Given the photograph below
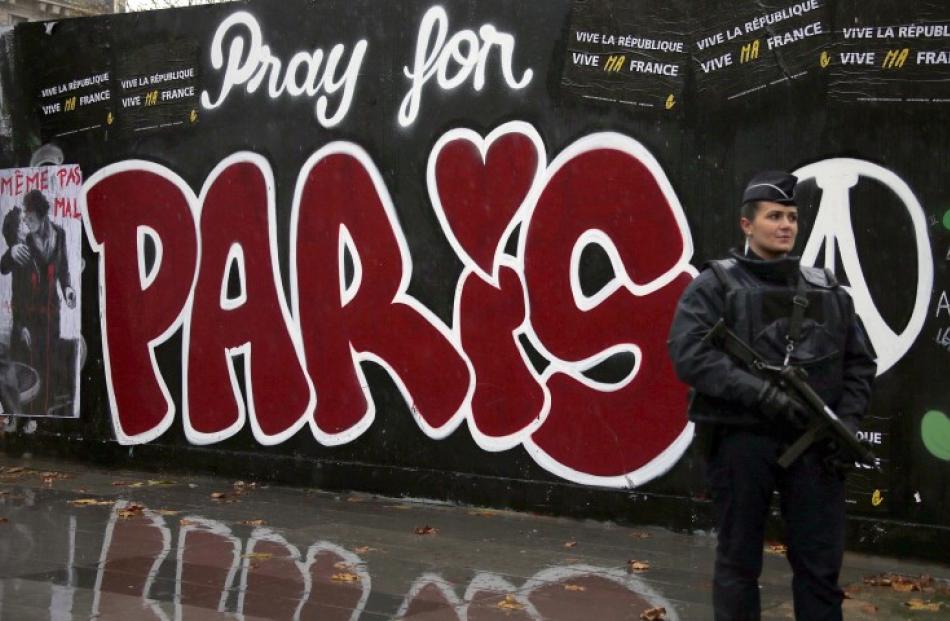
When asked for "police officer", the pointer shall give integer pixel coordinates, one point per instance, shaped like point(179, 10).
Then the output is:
point(744, 423)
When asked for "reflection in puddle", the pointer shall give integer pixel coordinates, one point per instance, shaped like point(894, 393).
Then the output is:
point(153, 567)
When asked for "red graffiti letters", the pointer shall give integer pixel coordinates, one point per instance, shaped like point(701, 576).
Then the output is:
point(343, 205)
point(517, 362)
point(279, 395)
point(136, 314)
point(603, 190)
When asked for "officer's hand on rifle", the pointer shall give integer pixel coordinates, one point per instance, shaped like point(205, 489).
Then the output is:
point(777, 405)
point(837, 459)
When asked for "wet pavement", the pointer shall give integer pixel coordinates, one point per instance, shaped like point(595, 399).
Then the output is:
point(83, 543)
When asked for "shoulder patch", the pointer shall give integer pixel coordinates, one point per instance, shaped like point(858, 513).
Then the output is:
point(819, 277)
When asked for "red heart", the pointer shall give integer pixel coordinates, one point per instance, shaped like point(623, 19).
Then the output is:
point(479, 198)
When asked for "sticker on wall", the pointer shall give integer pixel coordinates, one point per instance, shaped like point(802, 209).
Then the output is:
point(747, 48)
point(73, 92)
point(636, 56)
point(935, 432)
point(891, 53)
point(157, 87)
point(40, 341)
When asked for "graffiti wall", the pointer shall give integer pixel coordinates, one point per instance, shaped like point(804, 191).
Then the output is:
point(448, 238)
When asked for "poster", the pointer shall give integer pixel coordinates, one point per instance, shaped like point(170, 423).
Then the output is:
point(73, 90)
point(40, 265)
point(157, 87)
point(747, 48)
point(889, 52)
point(632, 55)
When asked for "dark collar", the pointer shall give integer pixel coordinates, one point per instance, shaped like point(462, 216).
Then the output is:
point(784, 270)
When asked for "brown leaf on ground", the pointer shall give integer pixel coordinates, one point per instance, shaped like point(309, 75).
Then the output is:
point(903, 585)
point(154, 482)
point(653, 614)
point(90, 502)
point(633, 565)
point(510, 603)
point(426, 530)
point(639, 534)
point(345, 576)
point(125, 483)
point(259, 556)
point(131, 511)
point(4, 520)
point(483, 513)
point(570, 544)
point(254, 522)
point(924, 605)
point(882, 580)
point(218, 495)
point(774, 547)
point(365, 550)
point(574, 587)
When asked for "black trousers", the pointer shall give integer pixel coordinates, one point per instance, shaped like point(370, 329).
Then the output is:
point(743, 473)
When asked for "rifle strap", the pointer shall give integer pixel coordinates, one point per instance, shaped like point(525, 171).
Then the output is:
point(799, 305)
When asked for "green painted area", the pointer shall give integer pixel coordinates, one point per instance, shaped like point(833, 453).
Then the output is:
point(946, 219)
point(935, 431)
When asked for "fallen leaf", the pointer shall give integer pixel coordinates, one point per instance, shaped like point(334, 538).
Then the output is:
point(633, 565)
point(123, 483)
point(153, 482)
point(426, 530)
point(218, 495)
point(254, 522)
point(882, 580)
point(131, 511)
point(365, 549)
point(773, 547)
point(928, 606)
point(639, 534)
point(345, 576)
point(90, 502)
point(574, 587)
point(570, 544)
point(510, 603)
point(259, 556)
point(903, 585)
point(185, 522)
point(654, 614)
point(483, 513)
point(4, 520)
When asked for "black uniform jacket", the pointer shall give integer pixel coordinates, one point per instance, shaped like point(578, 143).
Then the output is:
point(833, 347)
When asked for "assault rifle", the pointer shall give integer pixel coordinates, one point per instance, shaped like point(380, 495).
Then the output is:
point(824, 422)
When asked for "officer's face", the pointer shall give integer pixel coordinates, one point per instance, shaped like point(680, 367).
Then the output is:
point(773, 230)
